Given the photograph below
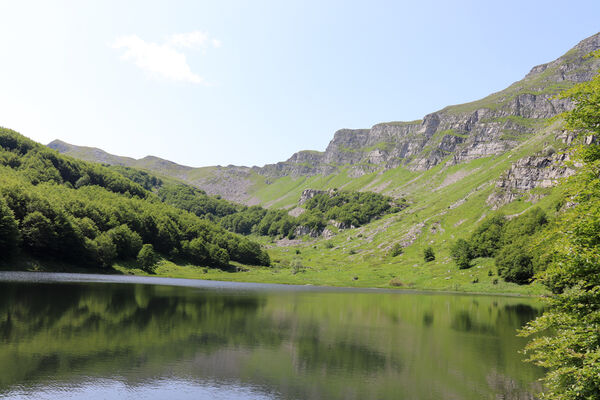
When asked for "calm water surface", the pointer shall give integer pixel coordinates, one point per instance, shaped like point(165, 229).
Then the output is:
point(68, 336)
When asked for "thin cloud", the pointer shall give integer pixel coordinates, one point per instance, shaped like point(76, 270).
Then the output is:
point(194, 40)
point(165, 60)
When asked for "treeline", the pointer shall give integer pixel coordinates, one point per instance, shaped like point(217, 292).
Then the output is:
point(349, 209)
point(142, 178)
point(508, 241)
point(353, 208)
point(54, 206)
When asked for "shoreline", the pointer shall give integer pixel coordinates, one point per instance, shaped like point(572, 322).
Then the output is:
point(214, 284)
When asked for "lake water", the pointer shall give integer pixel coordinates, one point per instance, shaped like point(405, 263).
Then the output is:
point(66, 336)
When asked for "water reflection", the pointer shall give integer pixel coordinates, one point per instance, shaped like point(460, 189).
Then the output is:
point(296, 345)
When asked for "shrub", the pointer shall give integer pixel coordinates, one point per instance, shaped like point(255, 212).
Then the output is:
point(296, 266)
point(428, 254)
point(395, 282)
point(396, 250)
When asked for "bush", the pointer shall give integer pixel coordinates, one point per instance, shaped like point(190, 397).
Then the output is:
point(428, 254)
point(461, 253)
point(395, 282)
point(396, 250)
point(296, 266)
point(147, 258)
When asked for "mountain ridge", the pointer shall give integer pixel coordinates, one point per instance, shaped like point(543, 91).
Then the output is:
point(454, 135)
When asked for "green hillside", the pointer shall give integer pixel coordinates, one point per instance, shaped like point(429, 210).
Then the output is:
point(61, 210)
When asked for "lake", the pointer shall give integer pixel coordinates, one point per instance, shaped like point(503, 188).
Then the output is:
point(67, 336)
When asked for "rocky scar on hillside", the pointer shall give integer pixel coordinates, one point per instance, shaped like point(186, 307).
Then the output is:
point(542, 170)
point(527, 174)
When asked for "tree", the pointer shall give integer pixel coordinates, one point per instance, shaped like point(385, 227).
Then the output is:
point(428, 254)
point(514, 263)
point(486, 239)
point(38, 233)
point(147, 258)
point(568, 333)
point(106, 250)
point(9, 231)
point(461, 253)
point(127, 242)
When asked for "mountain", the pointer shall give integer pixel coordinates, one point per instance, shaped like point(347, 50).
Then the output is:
point(456, 135)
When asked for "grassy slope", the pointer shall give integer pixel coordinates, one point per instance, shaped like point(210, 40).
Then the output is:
point(442, 210)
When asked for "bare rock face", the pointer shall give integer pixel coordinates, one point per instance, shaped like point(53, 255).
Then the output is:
point(308, 194)
point(529, 173)
point(304, 230)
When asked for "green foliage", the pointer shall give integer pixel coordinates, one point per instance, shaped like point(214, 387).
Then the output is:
point(297, 266)
point(127, 242)
point(196, 201)
point(89, 214)
point(461, 253)
point(9, 230)
point(142, 178)
point(352, 208)
point(486, 240)
point(105, 250)
point(568, 333)
point(396, 250)
point(147, 258)
point(515, 263)
point(428, 254)
point(38, 233)
point(506, 241)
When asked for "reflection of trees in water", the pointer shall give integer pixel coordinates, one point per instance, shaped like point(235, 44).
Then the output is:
point(351, 358)
point(102, 327)
point(507, 388)
point(328, 340)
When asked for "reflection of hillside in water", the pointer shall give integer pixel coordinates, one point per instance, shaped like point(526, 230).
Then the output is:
point(300, 344)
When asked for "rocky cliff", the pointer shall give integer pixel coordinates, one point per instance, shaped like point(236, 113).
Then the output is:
point(489, 126)
point(456, 134)
point(528, 173)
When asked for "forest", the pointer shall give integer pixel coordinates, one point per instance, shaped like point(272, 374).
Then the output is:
point(52, 206)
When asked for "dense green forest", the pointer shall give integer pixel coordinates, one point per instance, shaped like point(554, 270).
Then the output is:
point(57, 207)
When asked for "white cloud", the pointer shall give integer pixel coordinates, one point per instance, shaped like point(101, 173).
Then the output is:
point(165, 60)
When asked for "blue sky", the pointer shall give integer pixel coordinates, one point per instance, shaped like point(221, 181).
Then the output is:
point(251, 82)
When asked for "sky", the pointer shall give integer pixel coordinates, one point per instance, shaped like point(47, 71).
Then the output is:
point(251, 82)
